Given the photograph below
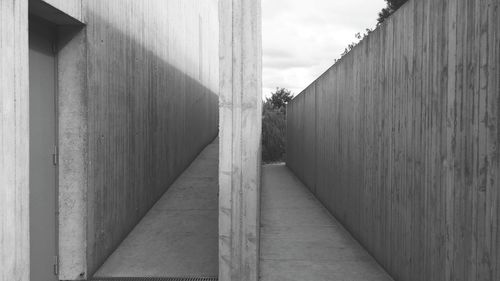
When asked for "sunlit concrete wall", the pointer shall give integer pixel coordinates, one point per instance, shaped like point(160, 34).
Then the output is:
point(14, 141)
point(240, 139)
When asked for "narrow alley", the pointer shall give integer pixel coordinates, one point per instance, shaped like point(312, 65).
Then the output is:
point(300, 240)
point(178, 236)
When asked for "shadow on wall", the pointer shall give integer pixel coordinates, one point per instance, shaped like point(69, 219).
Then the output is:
point(147, 121)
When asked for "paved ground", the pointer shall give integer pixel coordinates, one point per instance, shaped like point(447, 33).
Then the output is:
point(178, 237)
point(301, 241)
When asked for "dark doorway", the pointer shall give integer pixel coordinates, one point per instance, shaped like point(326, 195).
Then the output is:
point(43, 151)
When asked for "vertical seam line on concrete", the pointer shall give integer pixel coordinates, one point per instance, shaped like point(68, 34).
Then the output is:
point(241, 94)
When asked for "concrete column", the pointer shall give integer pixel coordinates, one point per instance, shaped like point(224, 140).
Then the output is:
point(14, 141)
point(240, 136)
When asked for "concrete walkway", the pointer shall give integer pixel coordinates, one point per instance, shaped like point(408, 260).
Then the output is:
point(301, 241)
point(178, 237)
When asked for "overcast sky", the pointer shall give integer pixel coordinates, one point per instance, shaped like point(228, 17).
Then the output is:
point(302, 38)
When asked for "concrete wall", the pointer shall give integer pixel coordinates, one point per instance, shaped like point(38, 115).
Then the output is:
point(14, 99)
point(152, 76)
point(400, 140)
point(73, 151)
point(14, 141)
point(138, 99)
point(240, 138)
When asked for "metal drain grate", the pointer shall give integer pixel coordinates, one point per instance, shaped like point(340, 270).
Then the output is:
point(156, 279)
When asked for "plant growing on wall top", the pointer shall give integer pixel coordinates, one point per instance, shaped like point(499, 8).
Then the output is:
point(392, 6)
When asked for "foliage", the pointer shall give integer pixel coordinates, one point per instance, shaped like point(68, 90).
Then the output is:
point(280, 98)
point(273, 136)
point(392, 6)
point(274, 126)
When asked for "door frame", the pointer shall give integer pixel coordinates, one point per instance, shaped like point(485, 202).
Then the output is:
point(71, 138)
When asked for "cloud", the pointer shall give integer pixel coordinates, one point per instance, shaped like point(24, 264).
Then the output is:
point(286, 63)
point(301, 39)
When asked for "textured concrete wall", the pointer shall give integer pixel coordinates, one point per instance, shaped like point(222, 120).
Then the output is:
point(152, 76)
point(14, 141)
point(73, 151)
point(401, 141)
point(14, 69)
point(240, 136)
point(138, 99)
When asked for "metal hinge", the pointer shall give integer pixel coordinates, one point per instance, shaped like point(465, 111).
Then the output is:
point(56, 265)
point(55, 156)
